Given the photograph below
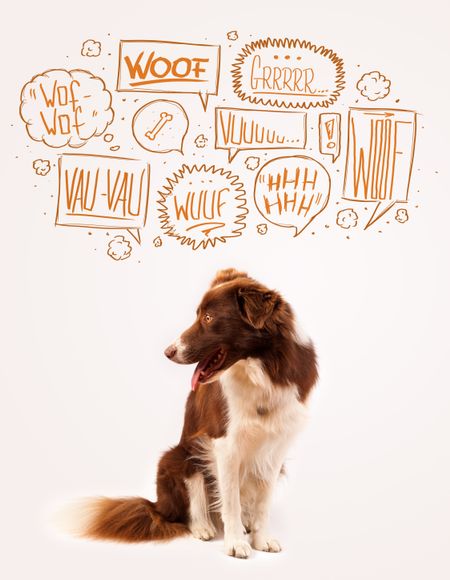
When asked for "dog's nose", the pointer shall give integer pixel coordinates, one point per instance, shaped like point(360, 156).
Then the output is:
point(170, 351)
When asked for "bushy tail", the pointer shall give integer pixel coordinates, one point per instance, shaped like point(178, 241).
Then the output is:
point(126, 519)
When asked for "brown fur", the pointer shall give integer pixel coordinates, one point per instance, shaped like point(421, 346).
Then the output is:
point(250, 320)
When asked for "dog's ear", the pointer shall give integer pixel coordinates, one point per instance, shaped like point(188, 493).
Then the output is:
point(226, 276)
point(257, 305)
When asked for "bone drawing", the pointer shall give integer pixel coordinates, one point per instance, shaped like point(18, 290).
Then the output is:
point(164, 118)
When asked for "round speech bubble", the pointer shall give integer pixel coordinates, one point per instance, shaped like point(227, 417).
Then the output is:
point(160, 126)
point(201, 206)
point(291, 191)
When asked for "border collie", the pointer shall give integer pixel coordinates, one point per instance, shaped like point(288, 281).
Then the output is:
point(249, 388)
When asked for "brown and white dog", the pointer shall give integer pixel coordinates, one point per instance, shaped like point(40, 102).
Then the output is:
point(253, 376)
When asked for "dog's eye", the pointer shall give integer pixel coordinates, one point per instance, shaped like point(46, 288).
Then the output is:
point(207, 318)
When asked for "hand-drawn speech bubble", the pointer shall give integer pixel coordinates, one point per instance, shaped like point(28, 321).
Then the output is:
point(239, 129)
point(285, 72)
point(291, 191)
point(62, 107)
point(97, 191)
point(330, 134)
point(380, 156)
point(161, 126)
point(169, 67)
point(201, 206)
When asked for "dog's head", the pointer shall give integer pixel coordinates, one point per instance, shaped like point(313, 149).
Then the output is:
point(237, 318)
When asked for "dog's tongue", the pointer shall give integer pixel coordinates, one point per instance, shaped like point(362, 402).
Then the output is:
point(196, 377)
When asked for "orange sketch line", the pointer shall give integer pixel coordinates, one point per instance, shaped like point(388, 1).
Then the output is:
point(93, 215)
point(171, 80)
point(288, 94)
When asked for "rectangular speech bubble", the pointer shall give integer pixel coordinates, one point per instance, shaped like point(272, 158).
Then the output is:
point(156, 66)
point(99, 191)
point(380, 155)
point(247, 129)
point(330, 134)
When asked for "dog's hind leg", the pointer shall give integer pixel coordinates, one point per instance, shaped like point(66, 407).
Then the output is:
point(200, 522)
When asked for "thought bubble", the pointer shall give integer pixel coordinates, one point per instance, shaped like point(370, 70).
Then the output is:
point(119, 248)
point(250, 129)
point(41, 166)
point(160, 126)
point(374, 86)
point(291, 191)
point(91, 48)
point(252, 163)
point(103, 192)
point(347, 218)
point(201, 206)
point(232, 35)
point(284, 72)
point(330, 134)
point(402, 216)
point(169, 67)
point(61, 107)
point(380, 156)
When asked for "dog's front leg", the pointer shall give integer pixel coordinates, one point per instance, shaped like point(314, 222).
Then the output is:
point(261, 539)
point(228, 466)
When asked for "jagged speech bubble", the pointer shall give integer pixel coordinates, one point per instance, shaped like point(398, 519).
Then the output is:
point(291, 191)
point(201, 206)
point(286, 72)
point(160, 126)
point(61, 107)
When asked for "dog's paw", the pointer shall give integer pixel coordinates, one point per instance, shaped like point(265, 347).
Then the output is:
point(203, 531)
point(238, 549)
point(265, 544)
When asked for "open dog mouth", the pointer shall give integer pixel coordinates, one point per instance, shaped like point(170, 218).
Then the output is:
point(208, 367)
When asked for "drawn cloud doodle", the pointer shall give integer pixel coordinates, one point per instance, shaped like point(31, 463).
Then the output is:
point(91, 48)
point(201, 141)
point(402, 216)
point(374, 86)
point(347, 218)
point(61, 107)
point(119, 248)
point(252, 163)
point(41, 166)
point(262, 229)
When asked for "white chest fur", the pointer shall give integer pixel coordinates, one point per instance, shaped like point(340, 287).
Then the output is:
point(262, 419)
